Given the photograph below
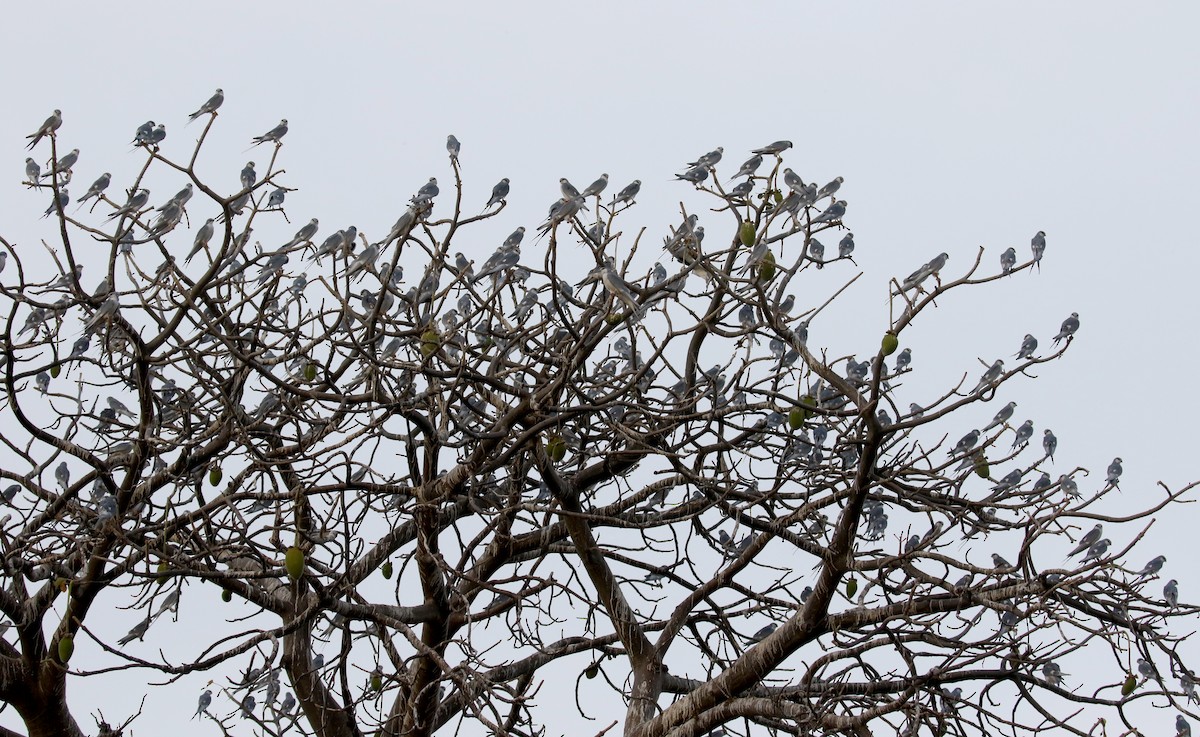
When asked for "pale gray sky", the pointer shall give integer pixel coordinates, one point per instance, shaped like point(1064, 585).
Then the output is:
point(955, 126)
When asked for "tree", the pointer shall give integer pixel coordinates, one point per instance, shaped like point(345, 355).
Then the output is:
point(438, 487)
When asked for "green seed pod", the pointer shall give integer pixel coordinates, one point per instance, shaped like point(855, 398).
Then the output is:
point(429, 342)
point(796, 418)
point(1129, 685)
point(66, 647)
point(746, 233)
point(556, 448)
point(592, 671)
point(851, 587)
point(890, 343)
point(982, 469)
point(310, 371)
point(766, 267)
point(214, 475)
point(226, 596)
point(387, 569)
point(293, 561)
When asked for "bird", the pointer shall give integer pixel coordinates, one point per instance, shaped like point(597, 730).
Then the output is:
point(106, 510)
point(304, 235)
point(1038, 245)
point(427, 192)
point(1024, 433)
point(1069, 326)
point(248, 706)
point(1008, 260)
point(136, 633)
point(58, 202)
point(1001, 417)
point(136, 202)
point(1154, 566)
point(998, 561)
point(749, 167)
point(1049, 443)
point(210, 105)
point(1114, 472)
point(965, 444)
point(903, 359)
point(1171, 593)
point(47, 129)
point(846, 246)
point(1097, 550)
point(709, 159)
point(695, 175)
point(97, 187)
point(33, 171)
point(627, 194)
point(1028, 346)
point(275, 198)
point(1087, 540)
point(289, 703)
point(274, 134)
point(829, 189)
point(832, 213)
point(453, 147)
point(773, 148)
point(64, 163)
point(62, 474)
point(1182, 727)
point(1052, 673)
point(762, 634)
point(990, 376)
point(499, 192)
point(248, 176)
point(116, 405)
point(596, 187)
point(203, 703)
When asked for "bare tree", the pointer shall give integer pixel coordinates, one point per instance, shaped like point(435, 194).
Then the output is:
point(441, 483)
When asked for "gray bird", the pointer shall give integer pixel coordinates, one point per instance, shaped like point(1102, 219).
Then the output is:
point(596, 187)
point(499, 192)
point(709, 159)
point(304, 235)
point(1038, 246)
point(1011, 480)
point(203, 236)
point(1087, 541)
point(965, 444)
point(1008, 260)
point(61, 201)
point(33, 171)
point(846, 246)
point(503, 259)
point(453, 147)
point(1097, 550)
point(248, 706)
point(1182, 727)
point(1171, 593)
point(1042, 483)
point(990, 376)
point(793, 181)
point(1069, 326)
point(607, 274)
point(289, 703)
point(998, 561)
point(276, 198)
point(514, 238)
point(748, 167)
point(203, 703)
point(1068, 485)
point(1154, 566)
point(62, 474)
point(273, 135)
point(97, 187)
point(142, 135)
point(248, 176)
point(106, 510)
point(569, 192)
point(742, 191)
point(762, 634)
point(1145, 668)
point(427, 192)
point(829, 189)
point(1114, 472)
point(1024, 433)
point(695, 175)
point(832, 213)
point(1053, 674)
point(627, 194)
point(774, 148)
point(1028, 346)
point(927, 270)
point(903, 359)
point(136, 202)
point(1049, 443)
point(116, 405)
point(1002, 416)
point(52, 124)
point(210, 106)
point(136, 633)
point(158, 135)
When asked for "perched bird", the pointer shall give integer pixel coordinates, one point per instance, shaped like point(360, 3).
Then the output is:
point(1182, 727)
point(1038, 246)
point(47, 129)
point(248, 176)
point(427, 192)
point(203, 236)
point(903, 359)
point(966, 443)
point(1028, 346)
point(749, 167)
point(1011, 480)
point(1049, 443)
point(275, 198)
point(289, 703)
point(203, 703)
point(1097, 550)
point(596, 187)
point(627, 194)
point(762, 633)
point(1001, 417)
point(832, 213)
point(248, 706)
point(1069, 326)
point(142, 135)
point(774, 148)
point(1114, 472)
point(990, 376)
point(829, 189)
point(136, 633)
point(709, 159)
point(274, 135)
point(846, 246)
point(998, 561)
point(304, 235)
point(1008, 260)
point(1052, 673)
point(210, 105)
point(453, 147)
point(60, 202)
point(1087, 541)
point(499, 192)
point(33, 171)
point(1154, 566)
point(695, 175)
point(62, 474)
point(135, 203)
point(1024, 433)
point(927, 270)
point(97, 187)
point(1171, 593)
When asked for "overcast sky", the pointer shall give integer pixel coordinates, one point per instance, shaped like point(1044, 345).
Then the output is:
point(955, 126)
